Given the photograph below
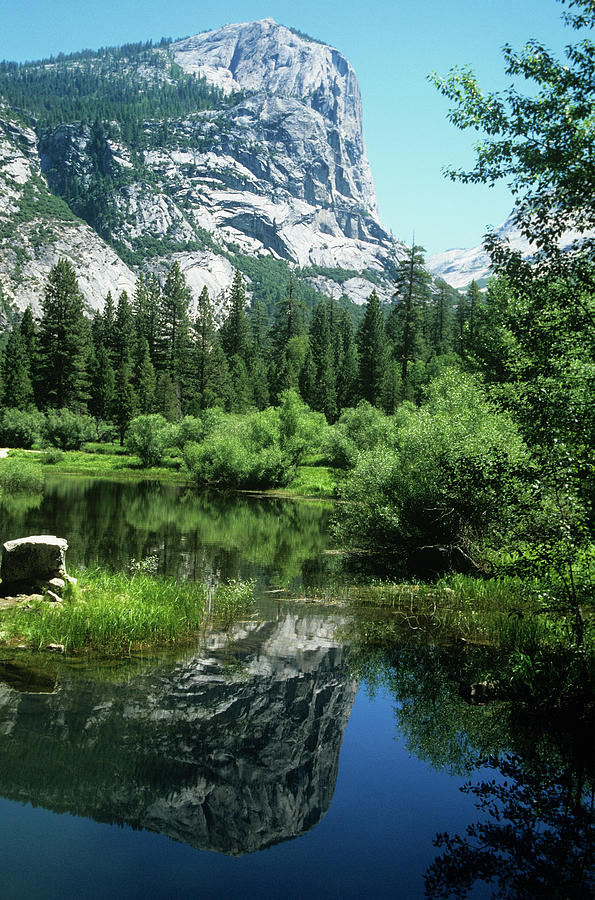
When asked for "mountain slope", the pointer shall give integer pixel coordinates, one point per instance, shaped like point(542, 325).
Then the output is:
point(246, 140)
point(460, 267)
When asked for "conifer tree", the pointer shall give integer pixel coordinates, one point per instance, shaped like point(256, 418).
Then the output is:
point(441, 325)
point(145, 381)
point(109, 326)
point(125, 402)
point(324, 396)
point(259, 377)
point(167, 397)
point(235, 330)
point(175, 300)
point(18, 390)
point(124, 330)
point(103, 385)
point(64, 341)
point(406, 320)
point(373, 351)
point(259, 328)
point(204, 330)
point(347, 364)
point(241, 388)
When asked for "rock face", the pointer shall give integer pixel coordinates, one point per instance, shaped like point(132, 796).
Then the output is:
point(230, 758)
point(460, 267)
point(37, 229)
point(34, 558)
point(277, 170)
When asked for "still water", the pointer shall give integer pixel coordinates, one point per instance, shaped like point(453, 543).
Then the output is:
point(288, 756)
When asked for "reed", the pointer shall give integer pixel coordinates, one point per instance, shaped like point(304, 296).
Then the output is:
point(114, 613)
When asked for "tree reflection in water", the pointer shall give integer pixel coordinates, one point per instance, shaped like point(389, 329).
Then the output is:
point(533, 837)
point(535, 840)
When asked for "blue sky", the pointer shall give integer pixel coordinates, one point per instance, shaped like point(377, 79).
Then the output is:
point(392, 44)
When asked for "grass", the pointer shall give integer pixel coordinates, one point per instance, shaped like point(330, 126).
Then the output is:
point(19, 474)
point(313, 481)
point(537, 659)
point(97, 460)
point(113, 614)
point(109, 463)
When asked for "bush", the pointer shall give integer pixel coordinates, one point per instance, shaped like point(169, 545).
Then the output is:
point(458, 475)
point(67, 430)
point(51, 456)
point(302, 430)
point(21, 429)
point(189, 430)
point(359, 429)
point(242, 452)
point(148, 436)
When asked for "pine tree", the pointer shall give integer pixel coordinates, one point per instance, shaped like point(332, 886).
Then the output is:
point(109, 327)
point(235, 330)
point(175, 300)
point(125, 403)
point(124, 331)
point(167, 397)
point(324, 398)
point(64, 340)
point(259, 328)
point(18, 390)
point(103, 385)
point(347, 364)
point(466, 318)
point(373, 351)
point(145, 381)
point(442, 323)
point(406, 320)
point(204, 330)
point(259, 378)
point(241, 387)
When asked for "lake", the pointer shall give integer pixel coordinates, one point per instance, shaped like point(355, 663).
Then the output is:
point(286, 756)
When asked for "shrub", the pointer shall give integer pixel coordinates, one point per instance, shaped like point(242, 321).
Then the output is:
point(245, 452)
point(458, 475)
point(51, 456)
point(148, 436)
point(67, 430)
point(359, 429)
point(189, 430)
point(301, 429)
point(19, 428)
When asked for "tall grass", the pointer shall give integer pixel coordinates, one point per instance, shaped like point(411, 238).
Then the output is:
point(113, 613)
point(18, 474)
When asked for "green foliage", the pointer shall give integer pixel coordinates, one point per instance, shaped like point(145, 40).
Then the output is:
point(360, 429)
point(112, 613)
point(243, 452)
point(20, 428)
point(148, 436)
point(64, 340)
point(18, 475)
point(104, 86)
point(456, 476)
point(52, 456)
point(190, 430)
point(67, 430)
point(302, 431)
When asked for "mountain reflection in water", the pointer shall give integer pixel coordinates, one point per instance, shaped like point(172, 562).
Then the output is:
point(224, 753)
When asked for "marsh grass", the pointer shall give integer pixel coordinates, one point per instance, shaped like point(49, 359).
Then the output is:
point(113, 614)
point(529, 652)
point(20, 474)
point(504, 612)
